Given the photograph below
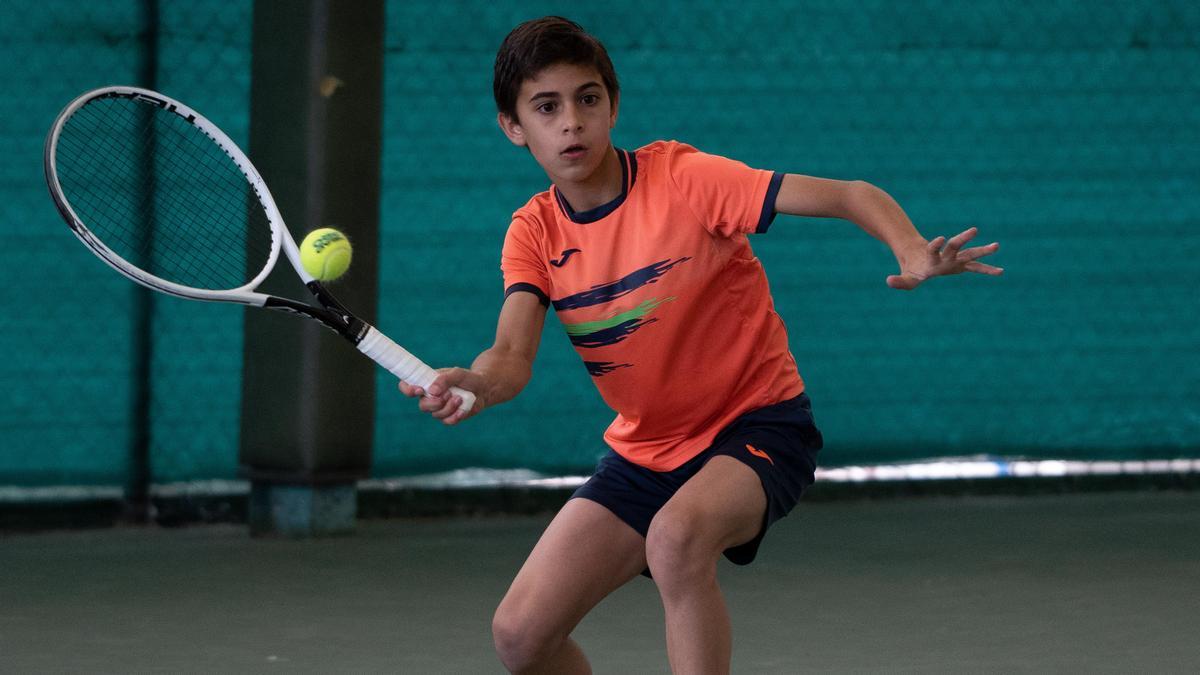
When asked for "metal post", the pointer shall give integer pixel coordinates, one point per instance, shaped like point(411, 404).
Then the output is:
point(315, 135)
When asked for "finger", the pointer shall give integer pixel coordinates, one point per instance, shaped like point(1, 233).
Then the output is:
point(959, 239)
point(449, 408)
point(981, 268)
point(977, 252)
point(934, 247)
point(431, 404)
point(447, 377)
point(903, 282)
point(458, 416)
point(438, 386)
point(409, 390)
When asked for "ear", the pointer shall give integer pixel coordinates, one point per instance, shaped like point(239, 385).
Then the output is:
point(612, 117)
point(512, 129)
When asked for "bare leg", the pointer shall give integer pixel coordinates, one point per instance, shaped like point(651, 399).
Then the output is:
point(721, 506)
point(585, 554)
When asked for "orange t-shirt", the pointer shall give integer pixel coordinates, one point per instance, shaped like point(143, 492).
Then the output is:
point(662, 297)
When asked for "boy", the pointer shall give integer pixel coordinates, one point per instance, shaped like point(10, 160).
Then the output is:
point(645, 257)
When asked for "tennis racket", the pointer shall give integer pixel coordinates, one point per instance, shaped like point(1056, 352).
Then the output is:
point(168, 200)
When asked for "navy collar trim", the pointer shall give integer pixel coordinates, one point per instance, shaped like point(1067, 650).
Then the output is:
point(628, 177)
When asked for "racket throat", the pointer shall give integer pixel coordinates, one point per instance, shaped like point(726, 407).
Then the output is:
point(350, 326)
point(333, 316)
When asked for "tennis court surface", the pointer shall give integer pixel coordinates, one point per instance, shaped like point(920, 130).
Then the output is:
point(1060, 583)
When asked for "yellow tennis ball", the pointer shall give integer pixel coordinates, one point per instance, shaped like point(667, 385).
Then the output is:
point(325, 254)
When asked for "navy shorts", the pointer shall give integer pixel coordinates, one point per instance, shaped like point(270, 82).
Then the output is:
point(780, 442)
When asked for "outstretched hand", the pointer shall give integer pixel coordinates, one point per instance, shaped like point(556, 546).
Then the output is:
point(940, 258)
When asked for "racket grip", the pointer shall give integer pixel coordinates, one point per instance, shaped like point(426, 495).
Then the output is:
point(401, 363)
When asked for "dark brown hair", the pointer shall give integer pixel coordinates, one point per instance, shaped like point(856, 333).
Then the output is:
point(540, 43)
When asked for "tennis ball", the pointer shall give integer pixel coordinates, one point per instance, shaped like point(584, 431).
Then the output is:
point(325, 254)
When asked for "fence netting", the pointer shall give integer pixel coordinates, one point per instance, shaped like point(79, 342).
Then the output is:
point(1069, 131)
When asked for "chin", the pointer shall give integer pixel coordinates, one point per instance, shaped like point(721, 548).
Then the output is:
point(580, 172)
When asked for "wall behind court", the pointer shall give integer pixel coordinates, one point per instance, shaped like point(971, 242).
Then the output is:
point(68, 375)
point(1069, 131)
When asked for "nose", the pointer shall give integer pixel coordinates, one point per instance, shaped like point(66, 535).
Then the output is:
point(572, 121)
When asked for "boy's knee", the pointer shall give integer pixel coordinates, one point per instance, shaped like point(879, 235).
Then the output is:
point(519, 643)
point(677, 554)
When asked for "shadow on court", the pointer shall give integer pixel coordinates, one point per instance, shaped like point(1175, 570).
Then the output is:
point(1073, 583)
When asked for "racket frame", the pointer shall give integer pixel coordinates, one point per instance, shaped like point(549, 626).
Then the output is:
point(331, 313)
point(243, 294)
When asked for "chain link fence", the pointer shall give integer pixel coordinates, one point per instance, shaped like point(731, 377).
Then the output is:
point(1069, 131)
point(68, 379)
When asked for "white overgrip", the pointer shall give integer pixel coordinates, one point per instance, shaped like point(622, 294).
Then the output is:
point(401, 363)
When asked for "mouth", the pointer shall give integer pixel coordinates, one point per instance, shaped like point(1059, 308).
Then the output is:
point(574, 151)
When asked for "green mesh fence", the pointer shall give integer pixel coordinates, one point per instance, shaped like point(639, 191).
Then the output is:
point(68, 381)
point(1067, 130)
point(66, 377)
point(204, 61)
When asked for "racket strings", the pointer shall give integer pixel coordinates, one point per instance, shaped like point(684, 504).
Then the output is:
point(162, 195)
point(103, 198)
point(171, 192)
point(160, 255)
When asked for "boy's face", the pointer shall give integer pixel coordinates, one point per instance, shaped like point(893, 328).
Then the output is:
point(564, 118)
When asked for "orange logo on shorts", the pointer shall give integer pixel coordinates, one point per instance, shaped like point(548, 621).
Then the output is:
point(759, 453)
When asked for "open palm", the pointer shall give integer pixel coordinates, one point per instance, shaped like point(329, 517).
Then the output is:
point(941, 258)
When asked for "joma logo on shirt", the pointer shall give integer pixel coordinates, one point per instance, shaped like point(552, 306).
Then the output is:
point(565, 256)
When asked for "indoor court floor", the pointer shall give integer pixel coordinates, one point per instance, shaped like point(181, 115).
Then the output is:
point(1098, 582)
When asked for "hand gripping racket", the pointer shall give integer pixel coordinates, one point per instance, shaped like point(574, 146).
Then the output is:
point(165, 198)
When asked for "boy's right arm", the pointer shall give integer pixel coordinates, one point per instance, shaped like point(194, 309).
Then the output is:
point(499, 373)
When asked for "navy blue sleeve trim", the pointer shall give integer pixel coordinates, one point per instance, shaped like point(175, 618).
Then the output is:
point(768, 208)
point(528, 288)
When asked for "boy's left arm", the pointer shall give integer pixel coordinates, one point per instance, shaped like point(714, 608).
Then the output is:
point(879, 215)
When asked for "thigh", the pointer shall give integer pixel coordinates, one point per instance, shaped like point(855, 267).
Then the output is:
point(585, 554)
point(723, 505)
point(753, 475)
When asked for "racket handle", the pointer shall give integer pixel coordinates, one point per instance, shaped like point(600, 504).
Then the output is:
point(401, 363)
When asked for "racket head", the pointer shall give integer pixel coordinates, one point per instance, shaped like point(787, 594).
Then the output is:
point(162, 195)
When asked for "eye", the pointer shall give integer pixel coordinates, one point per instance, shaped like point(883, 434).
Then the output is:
point(590, 99)
point(546, 108)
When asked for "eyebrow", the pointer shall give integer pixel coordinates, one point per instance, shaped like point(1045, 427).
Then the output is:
point(554, 94)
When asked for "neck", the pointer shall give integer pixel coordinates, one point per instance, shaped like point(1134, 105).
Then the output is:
point(601, 187)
